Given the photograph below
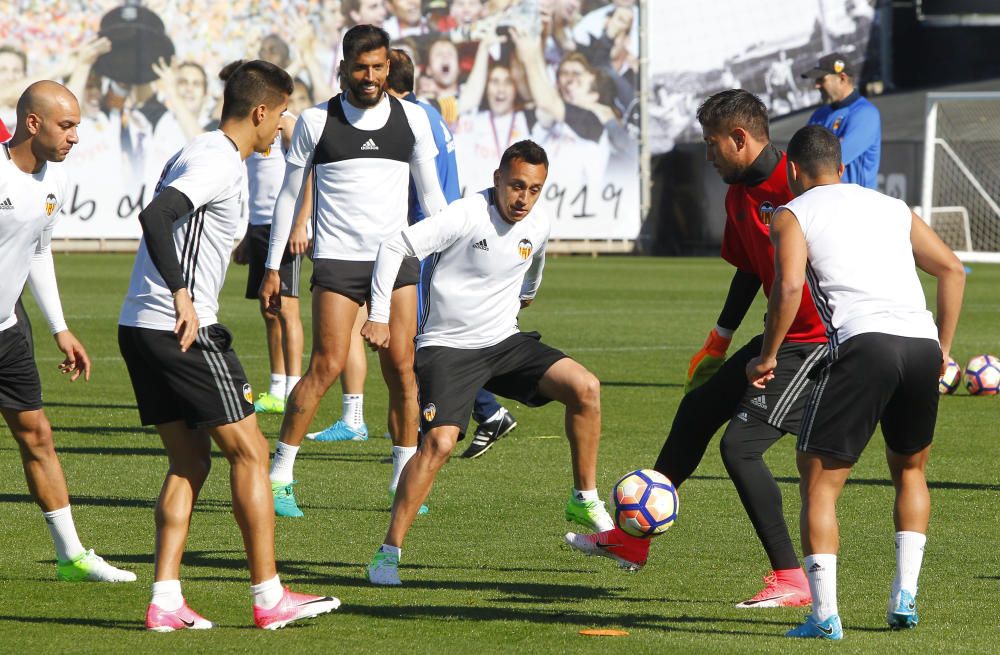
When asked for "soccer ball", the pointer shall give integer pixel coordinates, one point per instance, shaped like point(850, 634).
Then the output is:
point(645, 503)
point(982, 375)
point(948, 382)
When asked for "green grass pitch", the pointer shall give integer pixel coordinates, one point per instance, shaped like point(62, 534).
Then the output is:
point(485, 571)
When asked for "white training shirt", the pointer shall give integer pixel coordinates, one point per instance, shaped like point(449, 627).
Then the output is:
point(360, 200)
point(265, 171)
point(29, 207)
point(482, 268)
point(210, 172)
point(861, 270)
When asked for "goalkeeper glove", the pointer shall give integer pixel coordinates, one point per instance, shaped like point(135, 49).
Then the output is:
point(707, 361)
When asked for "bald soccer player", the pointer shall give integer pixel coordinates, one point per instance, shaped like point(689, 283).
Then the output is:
point(32, 191)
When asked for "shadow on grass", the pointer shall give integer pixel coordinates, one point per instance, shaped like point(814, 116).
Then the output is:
point(576, 620)
point(105, 429)
point(204, 504)
point(88, 622)
point(93, 405)
point(660, 385)
point(879, 482)
point(115, 450)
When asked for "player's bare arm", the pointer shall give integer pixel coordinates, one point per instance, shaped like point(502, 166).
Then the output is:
point(298, 240)
point(934, 257)
point(786, 293)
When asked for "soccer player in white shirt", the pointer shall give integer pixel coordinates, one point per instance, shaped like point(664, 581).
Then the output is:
point(187, 379)
point(362, 146)
point(32, 191)
point(858, 250)
point(487, 252)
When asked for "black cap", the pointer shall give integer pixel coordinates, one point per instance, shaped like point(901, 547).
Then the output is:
point(138, 39)
point(831, 64)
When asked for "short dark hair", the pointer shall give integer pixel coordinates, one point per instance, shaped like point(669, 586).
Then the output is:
point(228, 69)
point(815, 150)
point(364, 38)
point(735, 108)
point(527, 151)
point(255, 83)
point(400, 78)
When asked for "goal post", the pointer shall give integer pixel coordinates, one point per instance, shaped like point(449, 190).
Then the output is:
point(960, 192)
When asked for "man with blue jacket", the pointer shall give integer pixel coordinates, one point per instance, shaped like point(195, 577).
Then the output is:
point(854, 120)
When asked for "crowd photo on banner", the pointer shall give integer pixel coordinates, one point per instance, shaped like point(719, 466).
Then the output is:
point(563, 73)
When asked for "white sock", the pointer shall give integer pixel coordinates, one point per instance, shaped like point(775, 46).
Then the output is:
point(283, 464)
point(354, 409)
point(63, 533)
point(392, 550)
point(909, 556)
point(277, 385)
point(167, 595)
point(822, 573)
point(496, 415)
point(290, 382)
point(267, 594)
point(585, 494)
point(400, 456)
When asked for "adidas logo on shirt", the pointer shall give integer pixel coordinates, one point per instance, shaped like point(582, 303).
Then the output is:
point(743, 416)
point(6, 204)
point(759, 401)
point(481, 245)
point(369, 145)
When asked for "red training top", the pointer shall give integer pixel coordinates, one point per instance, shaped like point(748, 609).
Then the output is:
point(4, 134)
point(746, 243)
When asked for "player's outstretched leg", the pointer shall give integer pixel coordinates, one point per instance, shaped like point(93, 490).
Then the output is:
point(700, 414)
point(351, 425)
point(821, 480)
point(273, 606)
point(47, 485)
point(912, 516)
point(568, 382)
point(333, 316)
point(397, 370)
point(189, 454)
point(743, 445)
point(414, 485)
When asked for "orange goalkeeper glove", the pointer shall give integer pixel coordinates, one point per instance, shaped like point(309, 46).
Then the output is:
point(707, 361)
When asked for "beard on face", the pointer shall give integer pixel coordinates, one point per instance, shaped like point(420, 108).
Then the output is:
point(355, 87)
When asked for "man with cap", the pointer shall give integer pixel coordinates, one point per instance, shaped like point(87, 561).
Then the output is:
point(854, 120)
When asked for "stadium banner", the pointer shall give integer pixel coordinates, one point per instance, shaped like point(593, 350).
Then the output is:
point(562, 73)
point(699, 49)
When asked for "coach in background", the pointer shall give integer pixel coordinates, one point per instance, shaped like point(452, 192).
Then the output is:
point(854, 120)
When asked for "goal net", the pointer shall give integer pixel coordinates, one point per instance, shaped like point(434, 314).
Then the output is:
point(961, 182)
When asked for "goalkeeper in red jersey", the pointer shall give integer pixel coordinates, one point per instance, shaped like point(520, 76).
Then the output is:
point(735, 128)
